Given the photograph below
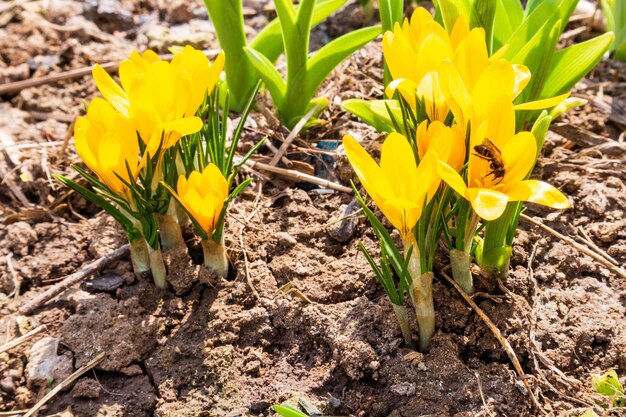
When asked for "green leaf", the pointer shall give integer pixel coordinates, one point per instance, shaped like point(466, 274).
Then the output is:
point(508, 17)
point(533, 26)
point(330, 55)
point(537, 56)
point(374, 112)
point(238, 190)
point(391, 12)
point(227, 18)
point(125, 222)
point(571, 64)
point(269, 41)
point(383, 274)
point(608, 385)
point(288, 411)
point(589, 413)
point(452, 9)
point(540, 130)
point(388, 246)
point(271, 78)
point(483, 15)
point(239, 129)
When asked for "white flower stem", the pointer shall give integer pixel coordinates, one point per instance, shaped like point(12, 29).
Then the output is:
point(461, 260)
point(215, 257)
point(139, 256)
point(169, 229)
point(421, 293)
point(403, 321)
point(157, 266)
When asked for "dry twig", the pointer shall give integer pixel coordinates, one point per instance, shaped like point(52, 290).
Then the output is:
point(74, 279)
point(292, 135)
point(297, 175)
point(18, 341)
point(619, 271)
point(64, 384)
point(498, 335)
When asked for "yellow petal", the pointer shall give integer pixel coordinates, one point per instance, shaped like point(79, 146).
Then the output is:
point(522, 78)
point(366, 169)
point(453, 179)
point(396, 158)
point(456, 93)
point(542, 104)
point(459, 32)
point(488, 204)
point(538, 192)
point(519, 155)
point(111, 90)
point(497, 79)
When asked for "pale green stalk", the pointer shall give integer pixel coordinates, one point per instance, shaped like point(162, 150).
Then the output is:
point(157, 266)
point(421, 293)
point(403, 321)
point(169, 229)
point(215, 257)
point(139, 256)
point(461, 259)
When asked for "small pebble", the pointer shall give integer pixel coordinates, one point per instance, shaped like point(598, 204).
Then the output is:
point(106, 283)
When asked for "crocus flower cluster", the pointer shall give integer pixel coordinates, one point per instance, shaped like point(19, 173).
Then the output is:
point(462, 161)
point(125, 135)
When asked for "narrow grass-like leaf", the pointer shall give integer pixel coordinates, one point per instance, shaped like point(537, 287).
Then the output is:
point(483, 15)
point(127, 224)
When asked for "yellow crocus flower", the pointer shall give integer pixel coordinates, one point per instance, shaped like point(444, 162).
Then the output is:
point(203, 196)
point(471, 97)
point(448, 142)
point(161, 98)
point(106, 141)
point(414, 51)
point(499, 160)
point(130, 70)
point(194, 65)
point(398, 186)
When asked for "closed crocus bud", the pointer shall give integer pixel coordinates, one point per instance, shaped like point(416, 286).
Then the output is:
point(203, 195)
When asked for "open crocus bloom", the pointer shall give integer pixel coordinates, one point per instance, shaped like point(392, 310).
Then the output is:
point(203, 196)
point(448, 142)
point(161, 98)
point(471, 96)
point(106, 141)
point(414, 51)
point(399, 186)
point(499, 161)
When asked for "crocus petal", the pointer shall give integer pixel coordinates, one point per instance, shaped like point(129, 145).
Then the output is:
point(111, 90)
point(405, 86)
point(538, 192)
point(488, 204)
point(542, 104)
point(519, 155)
point(456, 93)
point(522, 78)
point(366, 169)
point(397, 160)
point(453, 179)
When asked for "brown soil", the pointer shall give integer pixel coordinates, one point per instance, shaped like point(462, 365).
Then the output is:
point(226, 347)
